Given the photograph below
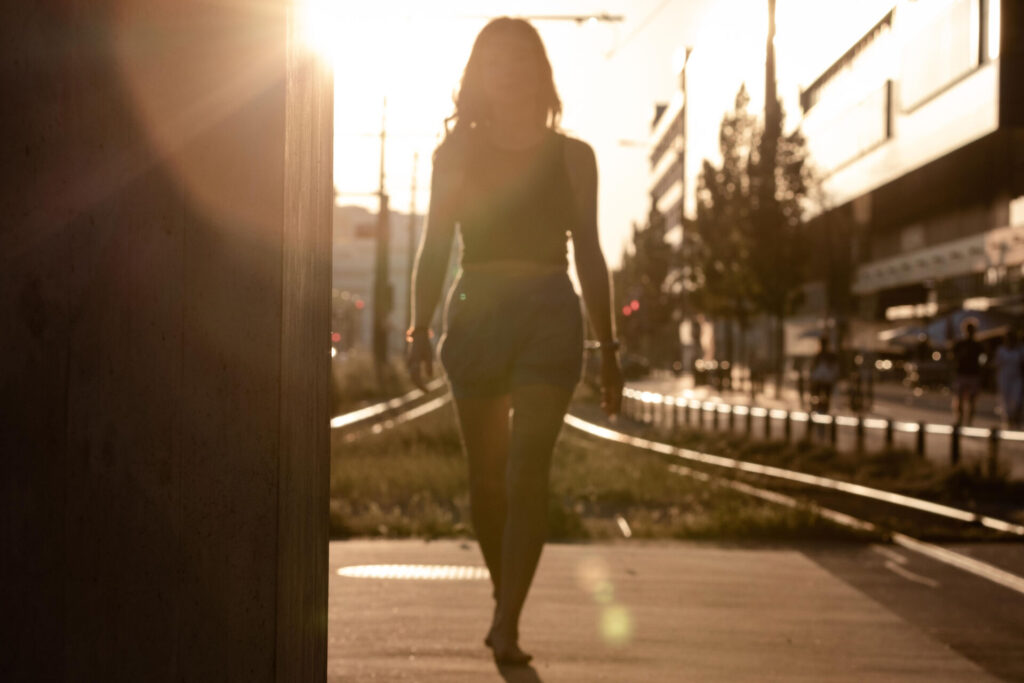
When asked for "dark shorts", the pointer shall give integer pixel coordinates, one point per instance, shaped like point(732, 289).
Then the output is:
point(504, 330)
point(967, 385)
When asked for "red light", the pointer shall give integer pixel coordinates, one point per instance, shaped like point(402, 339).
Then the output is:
point(626, 310)
point(360, 304)
point(335, 337)
point(634, 304)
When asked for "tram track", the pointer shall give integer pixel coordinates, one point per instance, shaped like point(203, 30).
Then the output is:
point(872, 510)
point(851, 505)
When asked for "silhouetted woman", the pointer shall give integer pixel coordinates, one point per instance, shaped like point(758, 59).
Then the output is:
point(513, 341)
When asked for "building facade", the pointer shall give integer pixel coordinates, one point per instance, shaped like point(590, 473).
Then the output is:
point(913, 112)
point(918, 131)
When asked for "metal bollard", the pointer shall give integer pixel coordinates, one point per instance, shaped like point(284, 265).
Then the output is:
point(833, 431)
point(750, 421)
point(700, 416)
point(920, 439)
point(732, 418)
point(809, 432)
point(993, 453)
point(954, 446)
point(767, 424)
point(714, 417)
point(860, 434)
point(888, 434)
point(787, 427)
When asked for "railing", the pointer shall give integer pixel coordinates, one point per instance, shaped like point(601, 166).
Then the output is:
point(675, 412)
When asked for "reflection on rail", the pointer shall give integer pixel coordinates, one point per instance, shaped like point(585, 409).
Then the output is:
point(377, 409)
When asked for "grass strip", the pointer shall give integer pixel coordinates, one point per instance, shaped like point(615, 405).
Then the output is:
point(411, 482)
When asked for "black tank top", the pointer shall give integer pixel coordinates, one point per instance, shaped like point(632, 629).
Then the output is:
point(517, 205)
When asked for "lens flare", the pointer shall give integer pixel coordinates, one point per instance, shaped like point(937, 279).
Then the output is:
point(616, 625)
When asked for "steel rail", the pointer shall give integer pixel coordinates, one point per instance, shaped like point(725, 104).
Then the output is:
point(938, 553)
point(980, 569)
point(799, 477)
point(369, 412)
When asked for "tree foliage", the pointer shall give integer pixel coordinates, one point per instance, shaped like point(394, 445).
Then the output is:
point(717, 253)
point(644, 277)
point(779, 237)
point(748, 250)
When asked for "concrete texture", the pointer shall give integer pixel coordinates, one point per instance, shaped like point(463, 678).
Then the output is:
point(165, 250)
point(628, 612)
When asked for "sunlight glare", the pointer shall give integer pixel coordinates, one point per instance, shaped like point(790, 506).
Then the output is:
point(318, 21)
point(994, 23)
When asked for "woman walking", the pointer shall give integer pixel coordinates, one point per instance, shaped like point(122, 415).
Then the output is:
point(517, 189)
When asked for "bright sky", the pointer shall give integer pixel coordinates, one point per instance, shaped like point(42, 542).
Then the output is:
point(609, 76)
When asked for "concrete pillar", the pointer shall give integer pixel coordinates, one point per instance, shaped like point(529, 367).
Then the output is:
point(165, 248)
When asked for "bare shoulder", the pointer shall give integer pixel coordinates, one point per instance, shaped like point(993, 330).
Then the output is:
point(579, 158)
point(451, 153)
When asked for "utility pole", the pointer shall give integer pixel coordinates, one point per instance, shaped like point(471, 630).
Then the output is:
point(381, 284)
point(684, 247)
point(412, 240)
point(767, 201)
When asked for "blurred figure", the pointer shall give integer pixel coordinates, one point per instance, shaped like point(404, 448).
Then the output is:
point(967, 383)
point(801, 387)
point(824, 374)
point(513, 341)
point(1008, 360)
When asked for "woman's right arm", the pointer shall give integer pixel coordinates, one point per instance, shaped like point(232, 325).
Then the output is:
point(432, 262)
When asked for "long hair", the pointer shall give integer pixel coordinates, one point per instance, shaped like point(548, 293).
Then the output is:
point(470, 104)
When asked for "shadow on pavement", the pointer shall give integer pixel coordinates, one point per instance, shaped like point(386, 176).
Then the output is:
point(519, 674)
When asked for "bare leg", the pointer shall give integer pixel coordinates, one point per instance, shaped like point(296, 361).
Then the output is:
point(969, 417)
point(537, 414)
point(484, 426)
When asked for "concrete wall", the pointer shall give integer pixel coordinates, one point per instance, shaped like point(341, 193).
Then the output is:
point(165, 249)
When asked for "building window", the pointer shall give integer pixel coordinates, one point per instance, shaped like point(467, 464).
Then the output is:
point(941, 45)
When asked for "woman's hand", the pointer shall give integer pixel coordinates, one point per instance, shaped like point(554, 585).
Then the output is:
point(420, 358)
point(611, 382)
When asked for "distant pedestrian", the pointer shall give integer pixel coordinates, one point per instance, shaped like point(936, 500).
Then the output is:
point(801, 387)
point(1008, 360)
point(824, 375)
point(967, 383)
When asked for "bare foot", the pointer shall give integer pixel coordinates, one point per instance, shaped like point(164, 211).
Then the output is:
point(506, 650)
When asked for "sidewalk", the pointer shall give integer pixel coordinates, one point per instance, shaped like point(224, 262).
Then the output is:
point(644, 612)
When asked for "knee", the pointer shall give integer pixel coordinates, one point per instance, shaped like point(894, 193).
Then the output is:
point(528, 485)
point(487, 488)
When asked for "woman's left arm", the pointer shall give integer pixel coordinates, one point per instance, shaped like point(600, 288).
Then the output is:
point(592, 268)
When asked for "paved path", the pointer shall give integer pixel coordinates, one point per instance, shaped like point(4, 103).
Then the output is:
point(679, 612)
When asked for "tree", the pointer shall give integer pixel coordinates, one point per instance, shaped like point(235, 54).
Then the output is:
point(641, 287)
point(717, 255)
point(780, 184)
